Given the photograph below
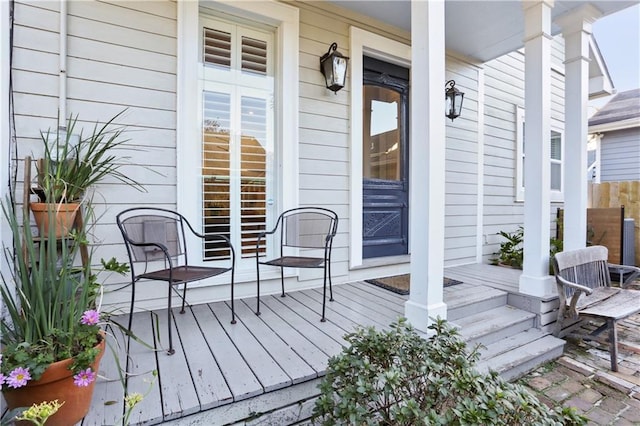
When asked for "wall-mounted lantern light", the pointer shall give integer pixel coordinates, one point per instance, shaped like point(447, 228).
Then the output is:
point(453, 100)
point(333, 65)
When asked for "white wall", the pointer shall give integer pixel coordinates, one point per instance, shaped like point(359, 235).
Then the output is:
point(461, 171)
point(120, 56)
point(504, 91)
point(123, 55)
point(324, 131)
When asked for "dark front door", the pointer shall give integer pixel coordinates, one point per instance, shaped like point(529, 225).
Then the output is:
point(385, 183)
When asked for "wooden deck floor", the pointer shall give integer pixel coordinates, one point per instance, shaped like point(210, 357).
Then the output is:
point(506, 279)
point(218, 364)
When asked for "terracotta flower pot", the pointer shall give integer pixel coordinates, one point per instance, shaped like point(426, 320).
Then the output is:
point(57, 383)
point(64, 213)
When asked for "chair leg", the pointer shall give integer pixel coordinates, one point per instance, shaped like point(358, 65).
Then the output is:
point(184, 297)
point(324, 294)
point(171, 351)
point(258, 289)
point(133, 297)
point(233, 309)
point(282, 281)
point(558, 327)
point(330, 283)
point(613, 343)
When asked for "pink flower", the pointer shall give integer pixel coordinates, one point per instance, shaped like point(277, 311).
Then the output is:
point(90, 317)
point(18, 377)
point(84, 378)
point(3, 379)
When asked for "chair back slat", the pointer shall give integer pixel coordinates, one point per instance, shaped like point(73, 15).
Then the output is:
point(587, 267)
point(307, 229)
point(156, 229)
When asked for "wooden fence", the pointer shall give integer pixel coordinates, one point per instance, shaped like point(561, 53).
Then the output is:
point(617, 194)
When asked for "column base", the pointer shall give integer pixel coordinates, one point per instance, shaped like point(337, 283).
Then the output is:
point(538, 286)
point(420, 316)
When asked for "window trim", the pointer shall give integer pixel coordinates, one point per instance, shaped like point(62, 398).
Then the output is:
point(285, 19)
point(555, 196)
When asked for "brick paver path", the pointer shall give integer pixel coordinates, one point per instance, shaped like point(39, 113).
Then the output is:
point(582, 378)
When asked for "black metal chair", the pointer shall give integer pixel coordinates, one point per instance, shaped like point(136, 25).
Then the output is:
point(154, 235)
point(306, 228)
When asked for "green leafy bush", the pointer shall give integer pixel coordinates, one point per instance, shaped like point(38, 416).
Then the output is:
point(396, 377)
point(511, 250)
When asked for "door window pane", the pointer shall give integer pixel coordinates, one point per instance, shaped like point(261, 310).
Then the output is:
point(381, 140)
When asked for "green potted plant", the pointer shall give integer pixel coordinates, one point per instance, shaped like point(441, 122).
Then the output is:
point(51, 336)
point(70, 165)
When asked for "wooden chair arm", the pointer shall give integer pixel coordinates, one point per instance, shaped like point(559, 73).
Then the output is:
point(573, 312)
point(578, 287)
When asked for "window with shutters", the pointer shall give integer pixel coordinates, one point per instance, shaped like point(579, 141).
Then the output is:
point(237, 92)
point(555, 169)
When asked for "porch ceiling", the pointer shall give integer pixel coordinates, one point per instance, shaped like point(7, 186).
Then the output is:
point(480, 30)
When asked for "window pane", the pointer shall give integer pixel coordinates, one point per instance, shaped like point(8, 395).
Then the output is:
point(381, 139)
point(253, 187)
point(216, 172)
point(556, 146)
point(556, 177)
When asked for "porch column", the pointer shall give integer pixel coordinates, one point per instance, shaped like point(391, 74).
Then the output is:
point(535, 279)
point(576, 29)
point(426, 166)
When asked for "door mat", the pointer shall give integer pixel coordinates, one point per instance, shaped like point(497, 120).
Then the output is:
point(400, 283)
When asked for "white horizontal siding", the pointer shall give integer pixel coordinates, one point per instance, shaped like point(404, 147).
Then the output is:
point(324, 131)
point(121, 55)
point(461, 169)
point(504, 87)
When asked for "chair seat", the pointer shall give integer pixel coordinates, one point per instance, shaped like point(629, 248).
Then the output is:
point(622, 304)
point(296, 262)
point(599, 295)
point(183, 274)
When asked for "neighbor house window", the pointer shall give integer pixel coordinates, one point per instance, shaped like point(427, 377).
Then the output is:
point(556, 159)
point(237, 144)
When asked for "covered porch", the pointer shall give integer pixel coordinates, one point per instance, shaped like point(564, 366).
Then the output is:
point(271, 365)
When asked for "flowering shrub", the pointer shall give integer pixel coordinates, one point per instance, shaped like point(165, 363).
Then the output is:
point(21, 362)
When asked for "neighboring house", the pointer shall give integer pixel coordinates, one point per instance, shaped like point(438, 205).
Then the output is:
point(615, 132)
point(210, 86)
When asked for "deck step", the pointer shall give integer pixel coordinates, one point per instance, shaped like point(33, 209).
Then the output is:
point(494, 324)
point(521, 359)
point(477, 298)
point(510, 343)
